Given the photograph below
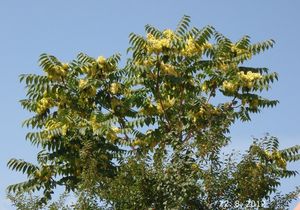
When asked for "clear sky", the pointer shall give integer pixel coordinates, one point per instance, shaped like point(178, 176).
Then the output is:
point(65, 28)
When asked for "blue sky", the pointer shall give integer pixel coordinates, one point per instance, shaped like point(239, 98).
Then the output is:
point(65, 28)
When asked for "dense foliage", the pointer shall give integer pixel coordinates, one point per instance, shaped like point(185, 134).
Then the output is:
point(150, 134)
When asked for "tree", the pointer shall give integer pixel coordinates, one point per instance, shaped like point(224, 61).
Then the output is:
point(150, 134)
point(28, 201)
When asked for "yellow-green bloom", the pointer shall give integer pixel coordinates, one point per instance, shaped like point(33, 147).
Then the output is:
point(43, 105)
point(156, 45)
point(169, 34)
point(101, 60)
point(116, 129)
point(114, 88)
point(169, 69)
point(82, 83)
point(65, 66)
point(64, 130)
point(191, 48)
point(249, 76)
point(56, 73)
point(229, 86)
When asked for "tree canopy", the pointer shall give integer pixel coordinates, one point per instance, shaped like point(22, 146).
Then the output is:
point(150, 134)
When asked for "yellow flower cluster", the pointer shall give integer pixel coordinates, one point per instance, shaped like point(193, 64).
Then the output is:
point(229, 86)
point(169, 69)
point(192, 47)
point(165, 104)
point(82, 83)
point(237, 50)
point(64, 129)
point(93, 122)
point(93, 69)
point(56, 73)
point(277, 158)
point(87, 90)
point(169, 34)
point(223, 66)
point(194, 115)
point(43, 105)
point(249, 78)
point(204, 87)
point(127, 92)
point(114, 88)
point(226, 66)
point(195, 167)
point(112, 134)
point(201, 112)
point(148, 62)
point(246, 80)
point(207, 45)
point(205, 112)
point(116, 129)
point(281, 163)
point(65, 66)
point(101, 60)
point(157, 45)
point(159, 108)
point(138, 142)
